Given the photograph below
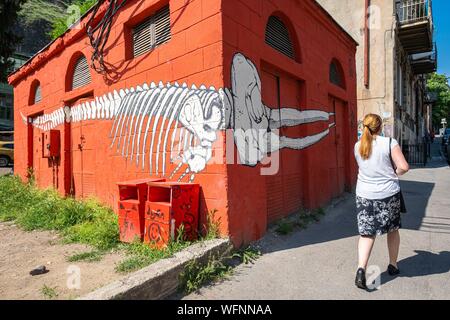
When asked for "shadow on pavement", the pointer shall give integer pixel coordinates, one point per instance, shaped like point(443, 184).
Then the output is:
point(341, 222)
point(417, 195)
point(424, 263)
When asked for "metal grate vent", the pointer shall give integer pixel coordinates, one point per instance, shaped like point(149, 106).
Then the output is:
point(152, 32)
point(37, 94)
point(278, 37)
point(81, 74)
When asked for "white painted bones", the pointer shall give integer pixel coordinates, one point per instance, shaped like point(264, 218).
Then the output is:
point(202, 112)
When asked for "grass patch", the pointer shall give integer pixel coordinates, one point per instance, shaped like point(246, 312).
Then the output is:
point(302, 221)
point(48, 292)
point(247, 255)
point(213, 226)
point(141, 255)
point(86, 221)
point(195, 275)
point(83, 221)
point(284, 227)
point(90, 256)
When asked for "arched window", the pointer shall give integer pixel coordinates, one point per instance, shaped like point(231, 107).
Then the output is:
point(336, 74)
point(279, 38)
point(81, 75)
point(35, 93)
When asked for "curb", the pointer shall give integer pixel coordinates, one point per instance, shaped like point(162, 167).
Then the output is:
point(161, 279)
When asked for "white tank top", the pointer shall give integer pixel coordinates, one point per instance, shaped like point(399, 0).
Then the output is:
point(376, 177)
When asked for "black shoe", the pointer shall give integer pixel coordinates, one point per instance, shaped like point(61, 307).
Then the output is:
point(393, 271)
point(360, 280)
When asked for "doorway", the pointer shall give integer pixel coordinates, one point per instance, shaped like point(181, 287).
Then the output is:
point(80, 157)
point(339, 169)
point(285, 189)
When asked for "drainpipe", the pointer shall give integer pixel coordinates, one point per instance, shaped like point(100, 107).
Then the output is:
point(366, 43)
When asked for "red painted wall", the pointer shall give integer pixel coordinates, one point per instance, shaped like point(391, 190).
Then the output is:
point(308, 177)
point(205, 36)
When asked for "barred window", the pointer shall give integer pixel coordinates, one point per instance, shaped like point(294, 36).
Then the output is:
point(81, 75)
point(37, 94)
point(152, 32)
point(278, 37)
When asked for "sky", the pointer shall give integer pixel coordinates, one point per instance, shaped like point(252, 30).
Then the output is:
point(441, 10)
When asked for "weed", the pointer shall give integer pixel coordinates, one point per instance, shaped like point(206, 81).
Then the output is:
point(84, 221)
point(213, 226)
point(317, 214)
point(90, 256)
point(48, 292)
point(320, 211)
point(141, 255)
point(195, 275)
point(284, 227)
point(247, 255)
point(31, 176)
point(303, 212)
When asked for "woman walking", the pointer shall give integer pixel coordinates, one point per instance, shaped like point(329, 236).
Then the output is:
point(378, 197)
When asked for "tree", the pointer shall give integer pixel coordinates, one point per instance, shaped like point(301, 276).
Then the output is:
point(438, 84)
point(60, 14)
point(8, 38)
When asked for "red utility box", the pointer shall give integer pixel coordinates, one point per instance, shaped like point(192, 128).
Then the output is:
point(133, 196)
point(51, 143)
point(169, 205)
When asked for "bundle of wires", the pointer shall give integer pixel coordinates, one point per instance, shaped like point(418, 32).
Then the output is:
point(99, 34)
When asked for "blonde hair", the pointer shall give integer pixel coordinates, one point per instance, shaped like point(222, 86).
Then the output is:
point(372, 126)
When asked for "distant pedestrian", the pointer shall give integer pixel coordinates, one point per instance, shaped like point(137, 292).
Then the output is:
point(378, 195)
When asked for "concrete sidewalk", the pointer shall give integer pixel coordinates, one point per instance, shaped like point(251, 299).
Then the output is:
point(320, 262)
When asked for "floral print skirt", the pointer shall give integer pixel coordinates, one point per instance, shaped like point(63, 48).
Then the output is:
point(378, 217)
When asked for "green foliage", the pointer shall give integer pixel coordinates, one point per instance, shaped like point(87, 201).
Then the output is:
point(85, 222)
point(247, 255)
point(195, 274)
point(8, 40)
point(61, 24)
point(90, 256)
point(284, 227)
point(438, 84)
point(31, 176)
point(61, 14)
point(302, 220)
point(141, 255)
point(213, 226)
point(48, 292)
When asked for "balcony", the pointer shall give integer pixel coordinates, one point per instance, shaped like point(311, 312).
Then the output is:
point(423, 63)
point(415, 25)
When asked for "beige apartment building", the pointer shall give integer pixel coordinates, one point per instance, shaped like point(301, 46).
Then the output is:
point(396, 52)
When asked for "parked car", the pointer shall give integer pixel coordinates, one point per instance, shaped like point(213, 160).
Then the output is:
point(6, 153)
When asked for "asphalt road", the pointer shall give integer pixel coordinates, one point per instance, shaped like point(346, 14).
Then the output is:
point(320, 262)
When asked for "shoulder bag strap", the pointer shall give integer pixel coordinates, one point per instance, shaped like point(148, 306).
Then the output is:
point(390, 155)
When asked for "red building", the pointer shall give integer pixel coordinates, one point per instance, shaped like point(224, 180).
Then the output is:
point(207, 91)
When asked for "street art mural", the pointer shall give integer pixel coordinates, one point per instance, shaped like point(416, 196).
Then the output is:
point(255, 124)
point(156, 116)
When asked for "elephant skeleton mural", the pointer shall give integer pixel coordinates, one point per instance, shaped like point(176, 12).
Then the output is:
point(150, 118)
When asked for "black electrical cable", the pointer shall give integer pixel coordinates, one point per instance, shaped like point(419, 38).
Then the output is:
point(99, 34)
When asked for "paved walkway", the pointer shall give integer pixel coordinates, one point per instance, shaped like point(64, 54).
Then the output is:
point(319, 263)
